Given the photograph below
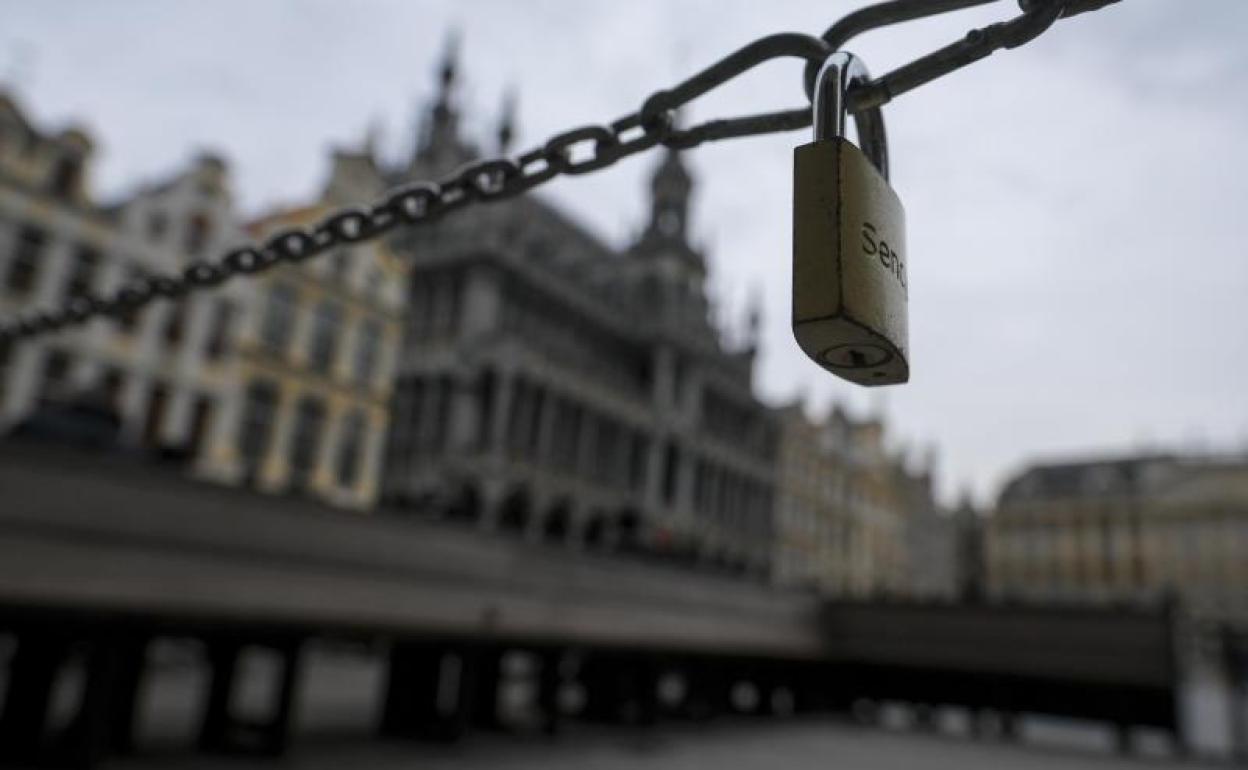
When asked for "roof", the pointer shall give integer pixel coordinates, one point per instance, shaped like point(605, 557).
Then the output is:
point(1156, 476)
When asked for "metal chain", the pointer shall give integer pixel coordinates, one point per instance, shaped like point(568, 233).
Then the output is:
point(1037, 16)
point(578, 151)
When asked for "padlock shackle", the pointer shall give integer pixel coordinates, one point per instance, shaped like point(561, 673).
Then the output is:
point(841, 70)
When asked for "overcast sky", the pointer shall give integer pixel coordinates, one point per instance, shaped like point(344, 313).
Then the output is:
point(1078, 273)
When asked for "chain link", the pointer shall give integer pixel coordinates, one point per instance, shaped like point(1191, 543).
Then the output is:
point(581, 150)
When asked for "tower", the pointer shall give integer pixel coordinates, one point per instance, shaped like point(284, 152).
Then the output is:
point(670, 189)
point(671, 273)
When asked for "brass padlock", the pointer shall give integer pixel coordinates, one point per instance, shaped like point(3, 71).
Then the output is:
point(849, 242)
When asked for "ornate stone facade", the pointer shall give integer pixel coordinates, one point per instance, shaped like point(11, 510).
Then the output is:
point(552, 386)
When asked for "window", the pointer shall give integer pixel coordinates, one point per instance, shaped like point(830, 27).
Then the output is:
point(637, 462)
point(198, 228)
point(259, 406)
point(6, 354)
point(366, 350)
point(325, 326)
point(175, 323)
point(157, 405)
point(111, 385)
point(24, 268)
point(82, 272)
point(157, 225)
point(55, 375)
point(350, 448)
point(201, 416)
point(305, 441)
point(279, 318)
point(219, 334)
point(670, 460)
point(409, 407)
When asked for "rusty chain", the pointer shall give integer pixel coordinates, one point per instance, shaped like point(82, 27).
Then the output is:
point(581, 150)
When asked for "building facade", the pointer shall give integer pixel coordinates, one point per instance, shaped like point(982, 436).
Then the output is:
point(165, 369)
point(203, 379)
point(853, 519)
point(1126, 530)
point(313, 368)
point(562, 390)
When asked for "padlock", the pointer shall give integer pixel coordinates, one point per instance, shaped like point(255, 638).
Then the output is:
point(849, 243)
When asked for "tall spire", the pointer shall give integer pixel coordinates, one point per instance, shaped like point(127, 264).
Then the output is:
point(445, 115)
point(439, 147)
point(447, 70)
point(507, 121)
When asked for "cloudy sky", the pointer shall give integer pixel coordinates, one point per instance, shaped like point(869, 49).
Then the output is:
point(1078, 273)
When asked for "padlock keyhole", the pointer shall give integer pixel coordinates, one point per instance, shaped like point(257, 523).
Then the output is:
point(856, 356)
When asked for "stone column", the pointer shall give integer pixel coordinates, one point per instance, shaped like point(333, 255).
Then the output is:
point(368, 482)
point(219, 460)
point(25, 369)
point(187, 360)
point(275, 467)
point(325, 467)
